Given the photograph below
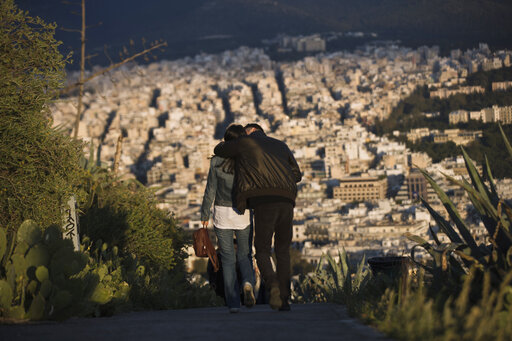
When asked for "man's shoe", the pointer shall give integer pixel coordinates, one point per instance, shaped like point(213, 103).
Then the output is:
point(285, 306)
point(234, 310)
point(275, 297)
point(249, 299)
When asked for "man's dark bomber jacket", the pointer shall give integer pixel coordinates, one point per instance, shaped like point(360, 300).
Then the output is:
point(264, 167)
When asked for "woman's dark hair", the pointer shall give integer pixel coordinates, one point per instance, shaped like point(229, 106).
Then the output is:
point(234, 131)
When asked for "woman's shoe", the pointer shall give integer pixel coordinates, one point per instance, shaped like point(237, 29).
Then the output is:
point(249, 299)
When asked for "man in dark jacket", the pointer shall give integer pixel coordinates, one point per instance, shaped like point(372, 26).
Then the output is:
point(266, 176)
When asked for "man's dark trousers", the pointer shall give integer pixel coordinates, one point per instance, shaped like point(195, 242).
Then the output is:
point(270, 218)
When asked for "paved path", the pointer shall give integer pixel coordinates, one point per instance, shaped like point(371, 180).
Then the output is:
point(304, 322)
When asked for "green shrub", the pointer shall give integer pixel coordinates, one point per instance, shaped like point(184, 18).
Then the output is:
point(41, 276)
point(416, 314)
point(125, 214)
point(150, 242)
point(171, 289)
point(39, 168)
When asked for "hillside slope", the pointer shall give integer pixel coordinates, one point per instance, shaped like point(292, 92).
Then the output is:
point(213, 26)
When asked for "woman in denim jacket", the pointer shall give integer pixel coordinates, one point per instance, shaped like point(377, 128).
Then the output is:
point(227, 221)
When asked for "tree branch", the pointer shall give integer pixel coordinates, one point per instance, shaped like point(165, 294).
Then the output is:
point(89, 56)
point(111, 67)
point(68, 29)
point(70, 3)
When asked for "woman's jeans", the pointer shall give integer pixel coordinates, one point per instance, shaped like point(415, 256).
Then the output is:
point(230, 260)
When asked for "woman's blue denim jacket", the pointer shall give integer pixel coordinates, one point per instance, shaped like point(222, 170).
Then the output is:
point(219, 188)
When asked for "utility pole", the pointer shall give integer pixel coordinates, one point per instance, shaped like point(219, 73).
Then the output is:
point(82, 73)
point(82, 80)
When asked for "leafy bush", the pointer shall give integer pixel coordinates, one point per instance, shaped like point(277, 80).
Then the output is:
point(125, 214)
point(41, 276)
point(39, 168)
point(171, 289)
point(150, 243)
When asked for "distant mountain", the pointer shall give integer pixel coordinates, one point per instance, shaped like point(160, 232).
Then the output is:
point(215, 25)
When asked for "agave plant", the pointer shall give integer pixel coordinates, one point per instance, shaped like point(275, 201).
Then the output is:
point(457, 257)
point(332, 280)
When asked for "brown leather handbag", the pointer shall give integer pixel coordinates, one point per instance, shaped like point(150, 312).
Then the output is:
point(203, 247)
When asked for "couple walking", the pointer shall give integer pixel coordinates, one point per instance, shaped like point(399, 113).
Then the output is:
point(252, 171)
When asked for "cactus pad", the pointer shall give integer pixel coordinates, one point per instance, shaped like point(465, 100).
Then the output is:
point(46, 288)
point(29, 232)
point(37, 256)
point(102, 271)
point(16, 312)
point(3, 243)
point(101, 294)
point(20, 266)
point(42, 273)
point(52, 234)
point(61, 300)
point(21, 248)
point(66, 261)
point(32, 287)
point(36, 310)
point(123, 291)
point(141, 270)
point(5, 294)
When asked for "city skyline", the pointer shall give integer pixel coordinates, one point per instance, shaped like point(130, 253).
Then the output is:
point(169, 111)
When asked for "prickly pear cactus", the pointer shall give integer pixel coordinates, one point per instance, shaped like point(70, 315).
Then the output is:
point(44, 278)
point(26, 291)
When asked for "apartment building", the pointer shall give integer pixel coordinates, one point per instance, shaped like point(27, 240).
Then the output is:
point(501, 86)
point(457, 136)
point(361, 189)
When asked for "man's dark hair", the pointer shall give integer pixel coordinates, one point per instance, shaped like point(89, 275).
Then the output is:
point(255, 126)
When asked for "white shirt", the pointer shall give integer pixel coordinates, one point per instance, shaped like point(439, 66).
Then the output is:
point(230, 218)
